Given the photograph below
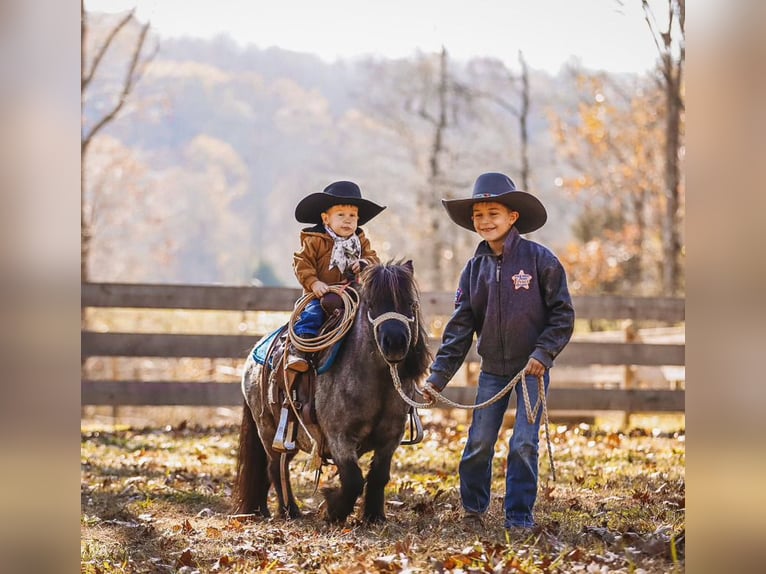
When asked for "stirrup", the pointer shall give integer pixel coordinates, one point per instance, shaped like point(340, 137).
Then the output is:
point(284, 438)
point(415, 428)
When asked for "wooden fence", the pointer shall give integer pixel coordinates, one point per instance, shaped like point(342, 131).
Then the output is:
point(580, 397)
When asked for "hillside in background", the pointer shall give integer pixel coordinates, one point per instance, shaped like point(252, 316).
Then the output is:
point(197, 180)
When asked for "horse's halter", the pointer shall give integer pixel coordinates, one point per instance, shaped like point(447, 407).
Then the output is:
point(392, 315)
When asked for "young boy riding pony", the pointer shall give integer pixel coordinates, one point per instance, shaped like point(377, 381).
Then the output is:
point(333, 251)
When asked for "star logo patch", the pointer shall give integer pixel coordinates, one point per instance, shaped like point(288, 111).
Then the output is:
point(521, 280)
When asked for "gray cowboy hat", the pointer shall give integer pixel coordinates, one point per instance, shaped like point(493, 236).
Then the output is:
point(498, 188)
point(311, 207)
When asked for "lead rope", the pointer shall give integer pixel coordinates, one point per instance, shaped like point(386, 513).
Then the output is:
point(520, 376)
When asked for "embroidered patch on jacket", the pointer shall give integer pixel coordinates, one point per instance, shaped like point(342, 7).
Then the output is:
point(521, 280)
point(458, 296)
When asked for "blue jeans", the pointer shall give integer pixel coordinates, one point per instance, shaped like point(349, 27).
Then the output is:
point(310, 320)
point(522, 472)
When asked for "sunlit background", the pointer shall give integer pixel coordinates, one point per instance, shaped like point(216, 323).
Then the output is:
point(239, 109)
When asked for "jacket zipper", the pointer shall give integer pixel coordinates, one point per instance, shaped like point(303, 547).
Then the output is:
point(498, 266)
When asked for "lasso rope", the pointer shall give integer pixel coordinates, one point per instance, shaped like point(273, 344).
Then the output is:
point(325, 340)
point(520, 376)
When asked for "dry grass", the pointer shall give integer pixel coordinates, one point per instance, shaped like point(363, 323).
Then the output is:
point(157, 499)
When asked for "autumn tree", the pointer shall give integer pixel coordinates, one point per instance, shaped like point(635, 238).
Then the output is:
point(625, 149)
point(612, 148)
point(93, 121)
point(669, 35)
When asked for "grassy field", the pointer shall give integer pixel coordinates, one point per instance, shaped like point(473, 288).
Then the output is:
point(158, 499)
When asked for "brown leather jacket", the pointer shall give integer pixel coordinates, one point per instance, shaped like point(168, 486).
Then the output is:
point(312, 261)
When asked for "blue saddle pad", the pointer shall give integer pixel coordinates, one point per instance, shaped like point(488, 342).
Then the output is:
point(262, 348)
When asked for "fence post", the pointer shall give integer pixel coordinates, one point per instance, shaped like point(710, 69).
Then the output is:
point(631, 336)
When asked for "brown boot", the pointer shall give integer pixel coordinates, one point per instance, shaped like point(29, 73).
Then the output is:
point(472, 521)
point(297, 360)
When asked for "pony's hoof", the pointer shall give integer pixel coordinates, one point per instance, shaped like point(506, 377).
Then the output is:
point(332, 519)
point(335, 509)
point(291, 513)
point(374, 518)
point(260, 512)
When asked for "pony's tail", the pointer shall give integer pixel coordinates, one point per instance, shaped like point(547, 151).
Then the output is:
point(252, 469)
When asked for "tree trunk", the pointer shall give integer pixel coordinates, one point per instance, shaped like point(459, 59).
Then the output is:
point(672, 72)
point(523, 115)
point(671, 219)
point(435, 187)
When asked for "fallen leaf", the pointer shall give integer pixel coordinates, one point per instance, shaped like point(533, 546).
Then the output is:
point(185, 559)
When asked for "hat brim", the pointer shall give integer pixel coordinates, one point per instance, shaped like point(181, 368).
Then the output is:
point(311, 207)
point(532, 213)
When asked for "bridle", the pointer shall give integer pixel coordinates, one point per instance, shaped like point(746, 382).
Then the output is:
point(409, 322)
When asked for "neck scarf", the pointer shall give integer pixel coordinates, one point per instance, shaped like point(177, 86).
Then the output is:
point(345, 251)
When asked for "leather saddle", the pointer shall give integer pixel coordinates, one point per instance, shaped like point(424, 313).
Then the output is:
point(290, 394)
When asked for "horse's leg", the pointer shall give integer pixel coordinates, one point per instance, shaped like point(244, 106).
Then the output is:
point(279, 472)
point(252, 469)
point(340, 501)
point(377, 479)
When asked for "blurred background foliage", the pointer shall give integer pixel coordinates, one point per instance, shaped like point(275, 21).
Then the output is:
point(195, 177)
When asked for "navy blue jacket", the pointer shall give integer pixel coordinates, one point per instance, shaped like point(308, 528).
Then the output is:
point(517, 304)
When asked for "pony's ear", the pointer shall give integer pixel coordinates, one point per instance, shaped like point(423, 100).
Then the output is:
point(408, 265)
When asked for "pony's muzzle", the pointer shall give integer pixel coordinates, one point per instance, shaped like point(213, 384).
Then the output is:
point(394, 342)
point(393, 335)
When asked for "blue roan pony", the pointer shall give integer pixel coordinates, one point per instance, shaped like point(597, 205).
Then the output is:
point(357, 406)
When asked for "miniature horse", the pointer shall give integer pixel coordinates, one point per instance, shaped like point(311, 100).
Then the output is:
point(357, 406)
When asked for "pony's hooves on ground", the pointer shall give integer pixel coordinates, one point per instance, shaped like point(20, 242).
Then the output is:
point(334, 510)
point(295, 514)
point(254, 512)
point(375, 518)
point(330, 519)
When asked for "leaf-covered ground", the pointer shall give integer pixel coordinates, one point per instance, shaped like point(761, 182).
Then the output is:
point(159, 500)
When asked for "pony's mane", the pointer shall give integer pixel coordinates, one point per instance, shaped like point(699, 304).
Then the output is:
point(390, 280)
point(395, 280)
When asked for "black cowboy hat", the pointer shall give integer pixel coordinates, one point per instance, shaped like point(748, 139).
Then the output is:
point(311, 207)
point(498, 188)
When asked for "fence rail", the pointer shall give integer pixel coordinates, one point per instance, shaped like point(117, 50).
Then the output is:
point(226, 298)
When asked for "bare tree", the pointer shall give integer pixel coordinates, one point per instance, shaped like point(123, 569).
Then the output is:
point(670, 42)
point(519, 111)
point(438, 122)
point(419, 102)
point(88, 69)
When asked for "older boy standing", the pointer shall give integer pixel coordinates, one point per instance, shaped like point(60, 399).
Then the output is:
point(513, 294)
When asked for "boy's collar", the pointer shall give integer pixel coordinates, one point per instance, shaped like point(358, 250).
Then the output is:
point(484, 249)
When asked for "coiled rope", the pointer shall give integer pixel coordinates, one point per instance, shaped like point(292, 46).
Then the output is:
point(324, 340)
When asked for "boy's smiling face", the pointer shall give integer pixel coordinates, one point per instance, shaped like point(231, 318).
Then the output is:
point(492, 221)
point(342, 219)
